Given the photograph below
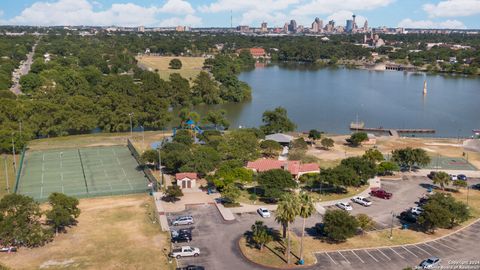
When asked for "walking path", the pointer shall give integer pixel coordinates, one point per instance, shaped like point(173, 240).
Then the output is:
point(23, 69)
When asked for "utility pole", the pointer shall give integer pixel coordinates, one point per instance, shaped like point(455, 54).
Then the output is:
point(160, 165)
point(131, 125)
point(6, 174)
point(14, 159)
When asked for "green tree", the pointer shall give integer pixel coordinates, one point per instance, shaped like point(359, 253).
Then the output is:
point(357, 138)
point(203, 160)
point(150, 156)
point(20, 222)
point(387, 167)
point(260, 234)
point(175, 63)
point(270, 148)
point(275, 182)
point(460, 184)
point(365, 222)
point(434, 216)
point(239, 145)
point(173, 192)
point(442, 179)
point(276, 121)
point(231, 193)
point(314, 135)
point(365, 169)
point(287, 211)
point(339, 225)
point(64, 211)
point(409, 157)
point(443, 211)
point(299, 144)
point(327, 143)
point(218, 119)
point(30, 82)
point(206, 88)
point(306, 210)
point(373, 155)
point(226, 175)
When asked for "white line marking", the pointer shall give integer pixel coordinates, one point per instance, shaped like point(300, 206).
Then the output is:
point(118, 161)
point(422, 250)
point(438, 242)
point(397, 253)
point(124, 172)
point(343, 257)
point(43, 157)
point(410, 251)
point(433, 247)
point(357, 256)
point(384, 254)
point(42, 178)
point(371, 255)
point(331, 258)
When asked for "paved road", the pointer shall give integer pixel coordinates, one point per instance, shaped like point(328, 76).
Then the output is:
point(23, 69)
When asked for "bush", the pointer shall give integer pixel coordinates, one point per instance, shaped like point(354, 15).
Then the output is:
point(327, 143)
point(339, 225)
point(175, 64)
point(365, 222)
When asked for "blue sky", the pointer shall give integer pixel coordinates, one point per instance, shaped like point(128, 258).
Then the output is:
point(206, 13)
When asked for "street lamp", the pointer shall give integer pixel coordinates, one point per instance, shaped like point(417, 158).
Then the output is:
point(131, 124)
point(391, 226)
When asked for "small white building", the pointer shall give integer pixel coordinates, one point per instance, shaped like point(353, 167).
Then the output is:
point(186, 180)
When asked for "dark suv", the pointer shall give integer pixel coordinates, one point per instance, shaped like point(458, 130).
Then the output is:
point(380, 193)
point(181, 236)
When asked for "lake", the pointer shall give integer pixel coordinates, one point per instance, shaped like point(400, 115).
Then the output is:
point(330, 99)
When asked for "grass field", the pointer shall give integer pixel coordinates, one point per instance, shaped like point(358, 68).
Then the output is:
point(10, 172)
point(191, 66)
point(112, 233)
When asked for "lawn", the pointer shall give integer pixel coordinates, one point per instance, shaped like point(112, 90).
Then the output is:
point(112, 233)
point(7, 172)
point(191, 66)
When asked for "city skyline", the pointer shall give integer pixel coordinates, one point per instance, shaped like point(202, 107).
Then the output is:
point(451, 14)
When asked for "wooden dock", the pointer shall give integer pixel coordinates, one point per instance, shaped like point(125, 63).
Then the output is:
point(394, 131)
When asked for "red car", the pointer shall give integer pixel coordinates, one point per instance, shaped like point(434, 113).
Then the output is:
point(380, 193)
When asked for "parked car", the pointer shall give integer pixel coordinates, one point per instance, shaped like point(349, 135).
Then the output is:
point(185, 251)
point(408, 217)
point(382, 194)
point(416, 210)
point(429, 263)
point(8, 249)
point(462, 177)
point(184, 236)
point(191, 267)
point(422, 201)
point(453, 177)
point(344, 205)
point(263, 212)
point(362, 201)
point(476, 186)
point(183, 220)
point(181, 231)
point(431, 175)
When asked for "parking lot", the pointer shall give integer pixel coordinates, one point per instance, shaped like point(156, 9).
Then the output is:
point(217, 239)
point(462, 245)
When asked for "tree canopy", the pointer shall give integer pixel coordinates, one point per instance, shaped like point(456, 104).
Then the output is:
point(276, 121)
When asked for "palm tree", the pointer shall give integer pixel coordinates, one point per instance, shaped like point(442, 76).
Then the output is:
point(306, 209)
point(260, 234)
point(286, 213)
point(442, 179)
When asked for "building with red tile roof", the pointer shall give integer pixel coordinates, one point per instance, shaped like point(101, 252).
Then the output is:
point(256, 52)
point(295, 167)
point(186, 180)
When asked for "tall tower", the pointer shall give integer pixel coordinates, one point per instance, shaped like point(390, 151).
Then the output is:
point(365, 26)
point(354, 24)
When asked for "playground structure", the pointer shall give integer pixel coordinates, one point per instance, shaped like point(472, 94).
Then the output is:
point(191, 126)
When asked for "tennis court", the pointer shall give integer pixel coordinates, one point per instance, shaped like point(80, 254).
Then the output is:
point(84, 172)
point(450, 163)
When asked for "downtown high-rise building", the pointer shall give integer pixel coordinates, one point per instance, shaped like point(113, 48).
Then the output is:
point(292, 27)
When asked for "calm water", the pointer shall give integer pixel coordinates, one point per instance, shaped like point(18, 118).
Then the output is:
point(329, 99)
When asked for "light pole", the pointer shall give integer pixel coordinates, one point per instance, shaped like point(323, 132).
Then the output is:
point(131, 124)
point(14, 158)
point(391, 226)
point(6, 174)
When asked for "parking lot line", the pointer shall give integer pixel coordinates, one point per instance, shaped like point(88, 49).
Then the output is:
point(371, 255)
point(357, 256)
point(438, 242)
point(343, 257)
point(331, 258)
point(433, 247)
point(397, 253)
point(409, 251)
point(423, 250)
point(384, 254)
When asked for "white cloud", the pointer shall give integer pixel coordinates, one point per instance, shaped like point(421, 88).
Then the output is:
point(189, 20)
point(177, 7)
point(81, 12)
point(340, 18)
point(448, 24)
point(453, 8)
point(238, 5)
point(331, 6)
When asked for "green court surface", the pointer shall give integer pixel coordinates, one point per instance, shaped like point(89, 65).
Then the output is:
point(449, 163)
point(84, 172)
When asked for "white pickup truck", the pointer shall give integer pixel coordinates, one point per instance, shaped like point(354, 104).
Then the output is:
point(185, 251)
